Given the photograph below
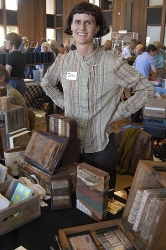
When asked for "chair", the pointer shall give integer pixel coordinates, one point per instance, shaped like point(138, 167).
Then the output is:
point(32, 118)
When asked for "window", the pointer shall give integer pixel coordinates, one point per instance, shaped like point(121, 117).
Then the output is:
point(96, 2)
point(50, 6)
point(155, 2)
point(152, 34)
point(1, 35)
point(11, 5)
point(8, 18)
point(50, 34)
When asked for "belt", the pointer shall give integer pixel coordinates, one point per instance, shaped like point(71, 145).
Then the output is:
point(16, 78)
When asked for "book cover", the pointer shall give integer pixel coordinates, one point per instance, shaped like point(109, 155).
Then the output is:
point(21, 193)
point(115, 206)
point(11, 188)
point(20, 139)
point(8, 135)
point(3, 173)
point(148, 195)
point(4, 202)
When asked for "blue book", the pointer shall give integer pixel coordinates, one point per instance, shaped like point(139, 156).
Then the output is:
point(21, 193)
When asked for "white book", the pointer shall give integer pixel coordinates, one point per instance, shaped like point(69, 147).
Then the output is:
point(150, 221)
point(20, 139)
point(148, 195)
point(4, 202)
point(3, 173)
point(135, 206)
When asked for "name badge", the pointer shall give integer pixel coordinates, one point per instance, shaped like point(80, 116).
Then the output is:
point(71, 76)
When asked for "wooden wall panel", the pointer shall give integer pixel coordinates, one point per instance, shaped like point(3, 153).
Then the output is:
point(138, 18)
point(32, 18)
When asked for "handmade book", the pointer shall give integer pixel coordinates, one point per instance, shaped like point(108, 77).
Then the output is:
point(135, 206)
point(8, 135)
point(46, 150)
point(151, 218)
point(60, 192)
point(11, 188)
point(115, 206)
point(21, 193)
point(4, 102)
point(19, 139)
point(4, 202)
point(148, 195)
point(3, 173)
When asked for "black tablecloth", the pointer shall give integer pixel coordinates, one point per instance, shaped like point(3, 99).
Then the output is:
point(39, 233)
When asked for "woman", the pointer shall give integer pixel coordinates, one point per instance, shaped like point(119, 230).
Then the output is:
point(108, 45)
point(93, 80)
point(15, 63)
point(160, 58)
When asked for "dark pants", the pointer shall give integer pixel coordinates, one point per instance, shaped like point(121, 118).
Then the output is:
point(104, 160)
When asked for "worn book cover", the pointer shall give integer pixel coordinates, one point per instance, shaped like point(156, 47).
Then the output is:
point(3, 173)
point(20, 139)
point(115, 206)
point(4, 202)
point(21, 193)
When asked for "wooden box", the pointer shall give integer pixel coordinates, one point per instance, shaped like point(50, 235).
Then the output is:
point(18, 214)
point(92, 191)
point(62, 126)
point(37, 175)
point(149, 175)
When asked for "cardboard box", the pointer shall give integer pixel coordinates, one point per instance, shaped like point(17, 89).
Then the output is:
point(155, 108)
point(19, 213)
point(149, 175)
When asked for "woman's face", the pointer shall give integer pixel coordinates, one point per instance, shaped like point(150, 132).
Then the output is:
point(84, 28)
point(44, 48)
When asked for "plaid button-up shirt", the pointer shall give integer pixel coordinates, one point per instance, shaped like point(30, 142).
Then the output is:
point(92, 89)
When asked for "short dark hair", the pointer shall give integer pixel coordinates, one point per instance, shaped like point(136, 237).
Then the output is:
point(151, 47)
point(90, 9)
point(4, 72)
point(14, 38)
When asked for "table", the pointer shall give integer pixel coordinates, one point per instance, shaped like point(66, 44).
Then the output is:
point(34, 92)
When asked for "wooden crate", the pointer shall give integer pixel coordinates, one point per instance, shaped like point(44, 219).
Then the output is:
point(18, 214)
point(149, 175)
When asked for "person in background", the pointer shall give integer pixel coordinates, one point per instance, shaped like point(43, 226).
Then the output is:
point(160, 58)
point(66, 47)
point(53, 45)
point(61, 49)
point(118, 50)
point(16, 97)
point(73, 45)
point(108, 45)
point(93, 81)
point(139, 49)
point(22, 46)
point(145, 62)
point(38, 48)
point(128, 52)
point(15, 62)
